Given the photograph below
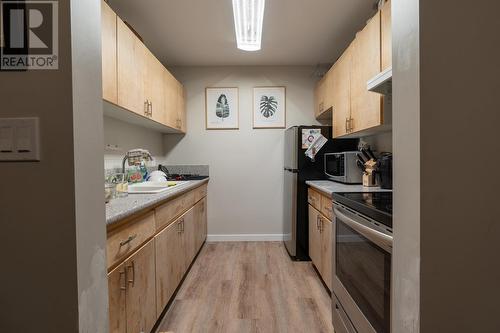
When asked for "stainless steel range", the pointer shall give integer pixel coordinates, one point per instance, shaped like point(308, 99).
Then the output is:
point(361, 298)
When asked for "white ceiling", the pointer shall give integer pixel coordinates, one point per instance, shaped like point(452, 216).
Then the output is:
point(201, 32)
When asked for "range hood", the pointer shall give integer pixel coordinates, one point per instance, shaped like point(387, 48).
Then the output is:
point(381, 83)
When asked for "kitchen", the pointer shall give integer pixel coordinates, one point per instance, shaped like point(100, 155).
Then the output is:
point(223, 237)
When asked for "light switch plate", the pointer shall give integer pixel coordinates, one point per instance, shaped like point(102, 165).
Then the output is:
point(19, 139)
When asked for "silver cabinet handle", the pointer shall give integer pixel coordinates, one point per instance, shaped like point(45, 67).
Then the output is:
point(146, 106)
point(124, 275)
point(179, 230)
point(150, 108)
point(133, 273)
point(128, 240)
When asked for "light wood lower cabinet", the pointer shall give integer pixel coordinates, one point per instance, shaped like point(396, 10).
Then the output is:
point(200, 215)
point(117, 287)
point(320, 244)
point(314, 237)
point(169, 263)
point(131, 288)
point(321, 226)
point(142, 282)
point(141, 289)
point(326, 227)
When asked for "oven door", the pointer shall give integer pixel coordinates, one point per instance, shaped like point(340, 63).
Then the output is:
point(362, 270)
point(334, 166)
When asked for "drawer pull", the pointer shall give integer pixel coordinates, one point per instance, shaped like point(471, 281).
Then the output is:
point(128, 240)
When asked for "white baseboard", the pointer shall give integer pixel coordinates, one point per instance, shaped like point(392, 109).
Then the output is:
point(245, 238)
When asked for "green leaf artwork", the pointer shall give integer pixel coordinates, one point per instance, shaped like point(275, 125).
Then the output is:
point(268, 106)
point(222, 107)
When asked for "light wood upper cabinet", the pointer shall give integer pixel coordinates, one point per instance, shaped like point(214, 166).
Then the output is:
point(154, 92)
point(181, 107)
point(386, 38)
point(341, 100)
point(117, 286)
point(366, 106)
point(131, 54)
point(323, 96)
point(109, 78)
point(169, 263)
point(319, 97)
point(134, 79)
point(171, 96)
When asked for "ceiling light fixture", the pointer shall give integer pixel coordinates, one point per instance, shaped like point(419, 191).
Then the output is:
point(248, 19)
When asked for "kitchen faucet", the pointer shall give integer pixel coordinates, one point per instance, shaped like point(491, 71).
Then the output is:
point(136, 156)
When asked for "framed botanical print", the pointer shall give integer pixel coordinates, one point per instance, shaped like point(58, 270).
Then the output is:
point(221, 108)
point(269, 107)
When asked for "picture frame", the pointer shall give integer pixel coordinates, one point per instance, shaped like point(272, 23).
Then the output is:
point(221, 108)
point(269, 107)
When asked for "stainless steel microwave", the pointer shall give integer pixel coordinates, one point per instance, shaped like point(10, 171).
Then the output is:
point(341, 167)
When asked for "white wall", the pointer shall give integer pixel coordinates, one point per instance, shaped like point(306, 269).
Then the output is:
point(127, 136)
point(246, 165)
point(52, 212)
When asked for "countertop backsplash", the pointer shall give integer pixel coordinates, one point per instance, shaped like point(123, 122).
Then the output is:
point(201, 170)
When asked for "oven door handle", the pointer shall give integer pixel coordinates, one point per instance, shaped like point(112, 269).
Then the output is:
point(379, 238)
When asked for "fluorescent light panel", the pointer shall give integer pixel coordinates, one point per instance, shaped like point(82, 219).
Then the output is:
point(248, 19)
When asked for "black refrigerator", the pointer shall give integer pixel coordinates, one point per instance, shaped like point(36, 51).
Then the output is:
point(298, 169)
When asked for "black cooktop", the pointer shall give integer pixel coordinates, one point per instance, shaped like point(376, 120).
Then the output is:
point(376, 205)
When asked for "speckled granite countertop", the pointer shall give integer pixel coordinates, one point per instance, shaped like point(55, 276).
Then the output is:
point(329, 187)
point(119, 208)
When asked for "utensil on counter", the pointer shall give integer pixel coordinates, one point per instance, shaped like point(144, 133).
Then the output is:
point(361, 165)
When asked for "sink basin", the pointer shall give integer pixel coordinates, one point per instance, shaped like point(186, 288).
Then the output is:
point(153, 187)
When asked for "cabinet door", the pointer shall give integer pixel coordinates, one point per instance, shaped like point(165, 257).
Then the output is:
point(326, 251)
point(181, 107)
point(170, 92)
point(386, 38)
point(141, 289)
point(319, 97)
point(169, 263)
point(117, 285)
point(108, 40)
point(366, 106)
point(341, 93)
point(200, 223)
point(131, 54)
point(314, 237)
point(153, 81)
point(188, 234)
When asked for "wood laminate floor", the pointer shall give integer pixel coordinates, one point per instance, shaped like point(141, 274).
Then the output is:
point(249, 287)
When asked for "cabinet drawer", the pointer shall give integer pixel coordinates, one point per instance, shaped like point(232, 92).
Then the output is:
point(200, 192)
point(327, 207)
point(124, 241)
point(166, 213)
point(314, 198)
